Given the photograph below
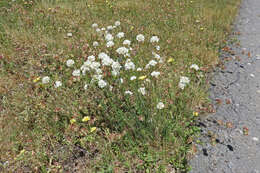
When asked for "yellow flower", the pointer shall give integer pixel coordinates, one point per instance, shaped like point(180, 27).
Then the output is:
point(36, 79)
point(72, 121)
point(85, 119)
point(92, 129)
point(142, 77)
point(170, 60)
point(195, 114)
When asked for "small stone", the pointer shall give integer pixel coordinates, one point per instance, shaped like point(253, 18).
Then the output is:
point(258, 91)
point(255, 139)
point(252, 75)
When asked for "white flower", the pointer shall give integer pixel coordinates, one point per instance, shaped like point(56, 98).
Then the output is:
point(140, 37)
point(116, 66)
point(110, 88)
point(69, 34)
point(107, 61)
point(85, 86)
point(97, 77)
point(127, 42)
point(157, 47)
point(57, 84)
point(160, 105)
point(84, 69)
point(45, 79)
point(95, 65)
point(110, 44)
point(128, 92)
point(91, 58)
point(183, 82)
point(94, 25)
point(70, 62)
point(76, 73)
point(109, 27)
point(102, 83)
point(195, 67)
point(109, 37)
point(139, 69)
point(156, 56)
point(151, 63)
point(115, 73)
point(154, 39)
point(122, 50)
point(98, 71)
point(95, 44)
point(133, 78)
point(142, 91)
point(120, 35)
point(129, 65)
point(102, 55)
point(155, 74)
point(117, 23)
point(121, 80)
point(103, 29)
point(98, 30)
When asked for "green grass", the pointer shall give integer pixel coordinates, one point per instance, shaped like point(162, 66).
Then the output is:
point(132, 135)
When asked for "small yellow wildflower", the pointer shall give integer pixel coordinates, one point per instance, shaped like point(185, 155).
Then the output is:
point(142, 77)
point(72, 121)
point(170, 60)
point(22, 151)
point(195, 114)
point(92, 129)
point(85, 119)
point(36, 79)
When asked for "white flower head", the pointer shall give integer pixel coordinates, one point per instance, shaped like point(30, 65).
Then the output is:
point(57, 84)
point(91, 58)
point(154, 39)
point(120, 35)
point(139, 69)
point(132, 77)
point(116, 66)
point(102, 83)
point(195, 67)
point(140, 37)
point(122, 50)
point(117, 23)
point(129, 65)
point(70, 62)
point(69, 34)
point(76, 73)
point(110, 44)
point(94, 25)
point(127, 42)
point(142, 91)
point(109, 27)
point(103, 29)
point(160, 105)
point(98, 30)
point(109, 37)
point(183, 82)
point(95, 65)
point(155, 74)
point(102, 55)
point(95, 44)
point(157, 47)
point(45, 79)
point(128, 92)
point(85, 86)
point(121, 80)
point(107, 61)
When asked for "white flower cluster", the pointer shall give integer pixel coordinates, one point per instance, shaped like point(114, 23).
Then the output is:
point(195, 67)
point(183, 82)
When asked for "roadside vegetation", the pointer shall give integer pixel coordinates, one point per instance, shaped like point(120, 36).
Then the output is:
point(105, 86)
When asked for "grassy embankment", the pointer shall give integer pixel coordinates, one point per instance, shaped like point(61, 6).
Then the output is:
point(41, 127)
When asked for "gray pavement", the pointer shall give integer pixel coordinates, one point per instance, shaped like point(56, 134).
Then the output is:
point(225, 146)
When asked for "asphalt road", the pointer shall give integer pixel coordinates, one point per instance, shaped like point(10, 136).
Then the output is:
point(231, 136)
